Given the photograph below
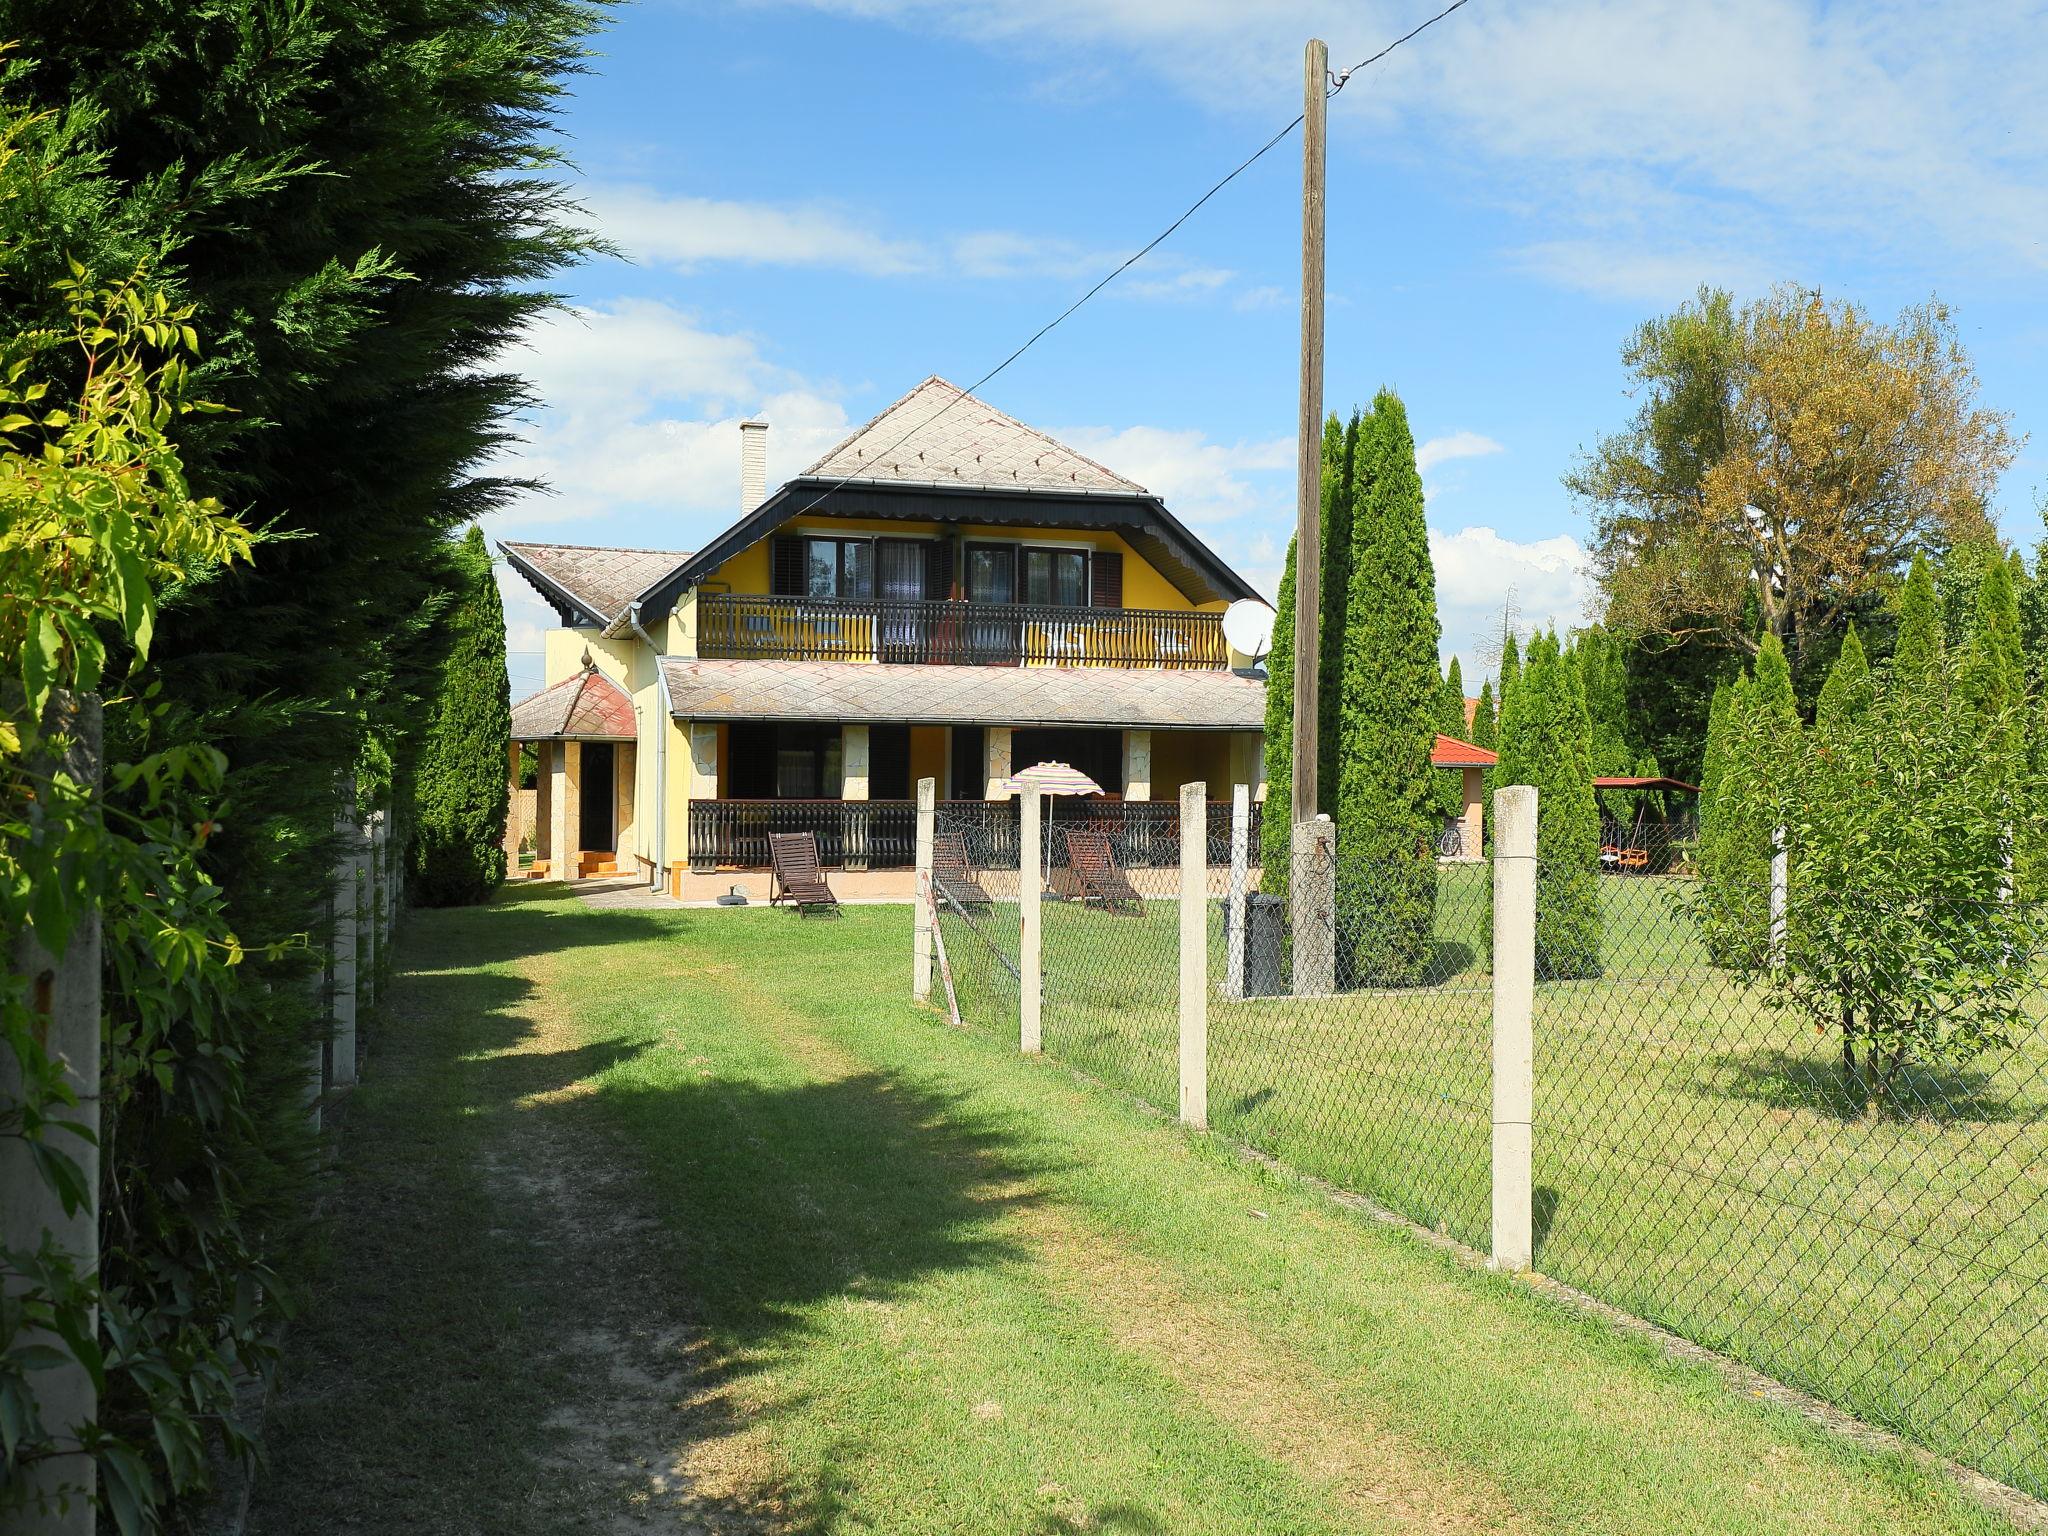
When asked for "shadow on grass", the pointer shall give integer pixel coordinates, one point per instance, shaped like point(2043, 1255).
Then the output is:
point(1780, 1079)
point(507, 1273)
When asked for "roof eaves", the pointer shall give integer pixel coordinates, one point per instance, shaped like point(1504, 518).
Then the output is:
point(565, 601)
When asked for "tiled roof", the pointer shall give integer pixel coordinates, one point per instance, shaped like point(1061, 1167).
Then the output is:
point(940, 435)
point(1137, 697)
point(602, 580)
point(588, 705)
point(1450, 752)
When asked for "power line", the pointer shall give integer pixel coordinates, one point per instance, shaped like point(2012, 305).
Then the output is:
point(1338, 82)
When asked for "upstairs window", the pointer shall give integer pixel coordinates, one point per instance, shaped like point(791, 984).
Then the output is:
point(1056, 578)
point(806, 566)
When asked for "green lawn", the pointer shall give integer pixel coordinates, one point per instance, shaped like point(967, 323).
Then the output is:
point(1696, 1161)
point(689, 1220)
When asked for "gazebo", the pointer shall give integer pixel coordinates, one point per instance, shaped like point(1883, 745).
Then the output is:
point(1636, 844)
point(582, 729)
point(1471, 762)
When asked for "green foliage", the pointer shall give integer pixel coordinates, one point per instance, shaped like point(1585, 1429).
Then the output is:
point(1546, 741)
point(1450, 786)
point(1848, 692)
point(1276, 826)
point(1902, 928)
point(1991, 676)
point(461, 792)
point(1387, 795)
point(100, 527)
point(1916, 654)
point(358, 206)
point(1603, 678)
point(1340, 446)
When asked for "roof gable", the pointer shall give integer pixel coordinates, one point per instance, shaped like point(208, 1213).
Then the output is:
point(584, 581)
point(938, 434)
point(586, 706)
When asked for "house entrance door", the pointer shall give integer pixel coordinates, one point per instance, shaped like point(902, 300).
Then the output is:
point(594, 804)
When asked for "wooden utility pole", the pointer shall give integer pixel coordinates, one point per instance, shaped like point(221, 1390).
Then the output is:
point(1308, 530)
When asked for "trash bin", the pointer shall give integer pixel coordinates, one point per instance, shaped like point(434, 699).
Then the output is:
point(1265, 944)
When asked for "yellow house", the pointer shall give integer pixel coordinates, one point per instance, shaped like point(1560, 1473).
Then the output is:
point(948, 593)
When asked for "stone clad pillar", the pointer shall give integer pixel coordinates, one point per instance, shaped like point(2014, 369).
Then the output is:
point(854, 758)
point(997, 753)
point(544, 829)
point(1137, 765)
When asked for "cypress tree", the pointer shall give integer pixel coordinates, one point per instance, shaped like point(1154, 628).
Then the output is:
point(1847, 694)
point(1276, 829)
point(1450, 799)
point(1760, 734)
point(1485, 733)
point(1916, 655)
point(1387, 798)
point(457, 855)
point(1992, 676)
point(1546, 741)
point(1510, 670)
point(357, 201)
point(1340, 446)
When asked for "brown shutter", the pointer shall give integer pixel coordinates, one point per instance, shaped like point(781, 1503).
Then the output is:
point(938, 570)
point(786, 566)
point(1106, 579)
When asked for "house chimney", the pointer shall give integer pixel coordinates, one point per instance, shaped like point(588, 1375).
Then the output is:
point(753, 464)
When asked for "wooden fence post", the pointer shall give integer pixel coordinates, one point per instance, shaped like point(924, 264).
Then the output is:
point(1194, 955)
point(65, 990)
point(1238, 897)
point(1030, 884)
point(921, 918)
point(1514, 1043)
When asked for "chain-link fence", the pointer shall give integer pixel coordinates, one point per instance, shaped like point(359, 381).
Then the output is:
point(1868, 1224)
point(1811, 1135)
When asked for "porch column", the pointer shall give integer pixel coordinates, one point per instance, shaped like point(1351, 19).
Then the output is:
point(853, 759)
point(514, 826)
point(566, 770)
point(1473, 833)
point(1137, 765)
point(625, 764)
point(997, 752)
point(853, 786)
point(544, 841)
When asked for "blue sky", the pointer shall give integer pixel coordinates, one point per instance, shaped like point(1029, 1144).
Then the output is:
point(821, 203)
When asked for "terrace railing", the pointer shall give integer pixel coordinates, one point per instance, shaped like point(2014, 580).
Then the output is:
point(881, 834)
point(744, 626)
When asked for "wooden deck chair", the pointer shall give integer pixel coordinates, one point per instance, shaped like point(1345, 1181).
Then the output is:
point(796, 877)
point(1094, 864)
point(954, 875)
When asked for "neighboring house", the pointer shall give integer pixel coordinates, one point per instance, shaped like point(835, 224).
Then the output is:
point(948, 594)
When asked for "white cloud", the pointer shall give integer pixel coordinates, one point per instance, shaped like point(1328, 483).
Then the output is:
point(639, 428)
point(1454, 445)
point(1781, 126)
point(673, 230)
point(1201, 481)
point(1476, 569)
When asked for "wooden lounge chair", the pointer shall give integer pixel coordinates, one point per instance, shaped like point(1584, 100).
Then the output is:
point(796, 877)
point(1094, 864)
point(954, 875)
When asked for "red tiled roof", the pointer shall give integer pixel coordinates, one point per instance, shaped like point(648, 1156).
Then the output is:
point(1626, 781)
point(1450, 752)
point(586, 706)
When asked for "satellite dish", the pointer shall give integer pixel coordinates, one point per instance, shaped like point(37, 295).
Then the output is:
point(1248, 626)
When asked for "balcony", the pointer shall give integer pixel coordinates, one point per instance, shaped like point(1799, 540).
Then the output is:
point(740, 626)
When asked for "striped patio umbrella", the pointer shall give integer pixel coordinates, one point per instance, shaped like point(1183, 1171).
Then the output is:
point(1053, 779)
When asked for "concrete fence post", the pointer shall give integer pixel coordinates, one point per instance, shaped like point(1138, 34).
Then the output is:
point(1030, 886)
point(1313, 891)
point(921, 917)
point(342, 1001)
point(1781, 864)
point(1514, 1037)
point(65, 992)
point(1194, 956)
point(1238, 898)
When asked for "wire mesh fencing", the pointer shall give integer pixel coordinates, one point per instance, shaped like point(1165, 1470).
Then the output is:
point(1813, 1136)
point(974, 891)
point(1805, 1128)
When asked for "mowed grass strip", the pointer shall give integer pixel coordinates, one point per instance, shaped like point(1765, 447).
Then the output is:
point(1696, 1160)
point(964, 1291)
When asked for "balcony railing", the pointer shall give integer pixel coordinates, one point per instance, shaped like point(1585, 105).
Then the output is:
point(881, 834)
point(733, 625)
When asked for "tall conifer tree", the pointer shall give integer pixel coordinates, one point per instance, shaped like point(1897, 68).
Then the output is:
point(1276, 823)
point(1916, 655)
point(1387, 799)
point(457, 855)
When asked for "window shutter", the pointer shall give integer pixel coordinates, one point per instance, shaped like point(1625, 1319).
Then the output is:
point(1106, 579)
point(938, 570)
point(786, 566)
